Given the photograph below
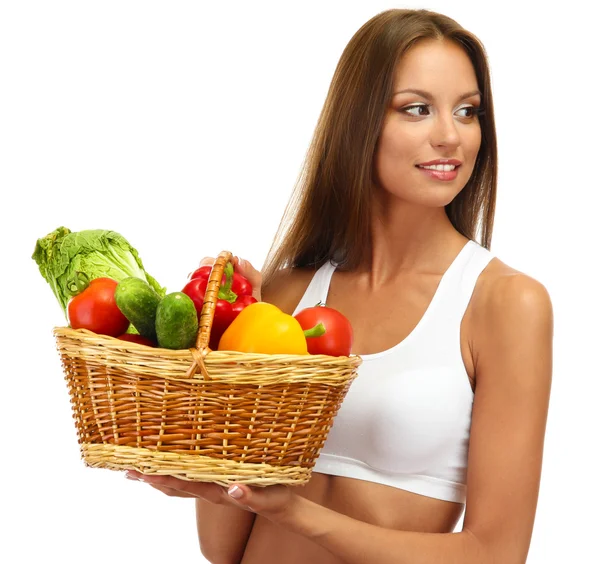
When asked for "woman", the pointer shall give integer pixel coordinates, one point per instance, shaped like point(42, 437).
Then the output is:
point(454, 388)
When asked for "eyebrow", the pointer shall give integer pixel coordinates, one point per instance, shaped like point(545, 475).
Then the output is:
point(425, 94)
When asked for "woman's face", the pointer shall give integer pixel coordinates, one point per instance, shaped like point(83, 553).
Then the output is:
point(431, 133)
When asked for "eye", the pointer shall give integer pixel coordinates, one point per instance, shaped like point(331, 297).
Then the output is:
point(416, 110)
point(468, 112)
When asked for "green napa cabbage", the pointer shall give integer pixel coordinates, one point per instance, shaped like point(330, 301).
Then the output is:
point(97, 253)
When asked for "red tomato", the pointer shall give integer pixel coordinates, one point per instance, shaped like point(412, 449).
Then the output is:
point(96, 309)
point(338, 337)
point(133, 338)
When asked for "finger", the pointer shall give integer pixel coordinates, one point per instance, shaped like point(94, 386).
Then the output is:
point(245, 268)
point(137, 477)
point(272, 502)
point(254, 499)
point(206, 261)
point(180, 488)
point(239, 493)
point(173, 493)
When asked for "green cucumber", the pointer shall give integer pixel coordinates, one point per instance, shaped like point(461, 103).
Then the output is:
point(138, 302)
point(176, 322)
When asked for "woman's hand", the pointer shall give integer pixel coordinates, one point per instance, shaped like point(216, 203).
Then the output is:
point(272, 502)
point(244, 268)
point(174, 487)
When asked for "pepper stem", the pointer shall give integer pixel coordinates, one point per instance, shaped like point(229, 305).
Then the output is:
point(316, 331)
point(225, 291)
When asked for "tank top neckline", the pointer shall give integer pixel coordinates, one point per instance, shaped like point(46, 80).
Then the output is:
point(428, 311)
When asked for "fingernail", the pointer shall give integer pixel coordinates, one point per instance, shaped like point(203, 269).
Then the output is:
point(235, 492)
point(130, 476)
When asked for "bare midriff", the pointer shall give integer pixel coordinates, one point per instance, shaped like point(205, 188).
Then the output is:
point(380, 505)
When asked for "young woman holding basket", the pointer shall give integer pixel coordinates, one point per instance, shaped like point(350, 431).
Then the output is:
point(391, 225)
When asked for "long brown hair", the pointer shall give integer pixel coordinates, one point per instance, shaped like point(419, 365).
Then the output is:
point(329, 214)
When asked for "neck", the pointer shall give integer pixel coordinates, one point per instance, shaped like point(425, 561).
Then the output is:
point(407, 237)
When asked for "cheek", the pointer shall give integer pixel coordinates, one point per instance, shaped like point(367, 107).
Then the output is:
point(397, 150)
point(399, 141)
point(472, 142)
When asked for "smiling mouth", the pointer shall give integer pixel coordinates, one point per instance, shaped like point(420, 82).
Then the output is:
point(444, 172)
point(439, 167)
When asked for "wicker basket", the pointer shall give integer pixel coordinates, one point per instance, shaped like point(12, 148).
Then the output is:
point(197, 414)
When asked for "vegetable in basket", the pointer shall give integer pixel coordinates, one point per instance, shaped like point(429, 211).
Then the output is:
point(338, 336)
point(138, 301)
point(235, 293)
point(97, 253)
point(263, 328)
point(94, 307)
point(176, 322)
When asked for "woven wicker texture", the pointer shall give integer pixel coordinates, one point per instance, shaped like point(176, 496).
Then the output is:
point(216, 416)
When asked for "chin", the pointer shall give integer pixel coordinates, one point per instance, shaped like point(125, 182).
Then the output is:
point(431, 197)
point(430, 194)
point(439, 194)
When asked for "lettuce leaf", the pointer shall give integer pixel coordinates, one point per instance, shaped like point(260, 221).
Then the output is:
point(95, 252)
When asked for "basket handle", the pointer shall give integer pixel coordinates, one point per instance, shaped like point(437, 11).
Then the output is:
point(210, 299)
point(207, 314)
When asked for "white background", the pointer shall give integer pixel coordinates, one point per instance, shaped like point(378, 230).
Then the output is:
point(183, 127)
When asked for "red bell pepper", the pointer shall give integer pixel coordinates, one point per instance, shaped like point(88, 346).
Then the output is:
point(235, 293)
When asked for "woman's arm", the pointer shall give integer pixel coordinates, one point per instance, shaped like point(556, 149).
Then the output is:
point(513, 355)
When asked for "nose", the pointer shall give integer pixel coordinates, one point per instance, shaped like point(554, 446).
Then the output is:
point(444, 132)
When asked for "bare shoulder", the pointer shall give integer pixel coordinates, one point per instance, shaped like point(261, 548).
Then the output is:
point(503, 291)
point(287, 287)
point(509, 309)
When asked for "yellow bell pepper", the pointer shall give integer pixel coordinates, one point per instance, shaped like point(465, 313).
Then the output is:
point(263, 328)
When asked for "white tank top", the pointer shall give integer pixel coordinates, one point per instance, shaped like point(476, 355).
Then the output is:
point(406, 419)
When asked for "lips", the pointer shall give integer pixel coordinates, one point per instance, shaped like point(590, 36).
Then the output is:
point(445, 172)
point(441, 169)
point(454, 162)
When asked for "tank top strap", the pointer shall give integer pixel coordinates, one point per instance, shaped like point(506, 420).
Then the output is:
point(318, 288)
point(454, 294)
point(465, 283)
